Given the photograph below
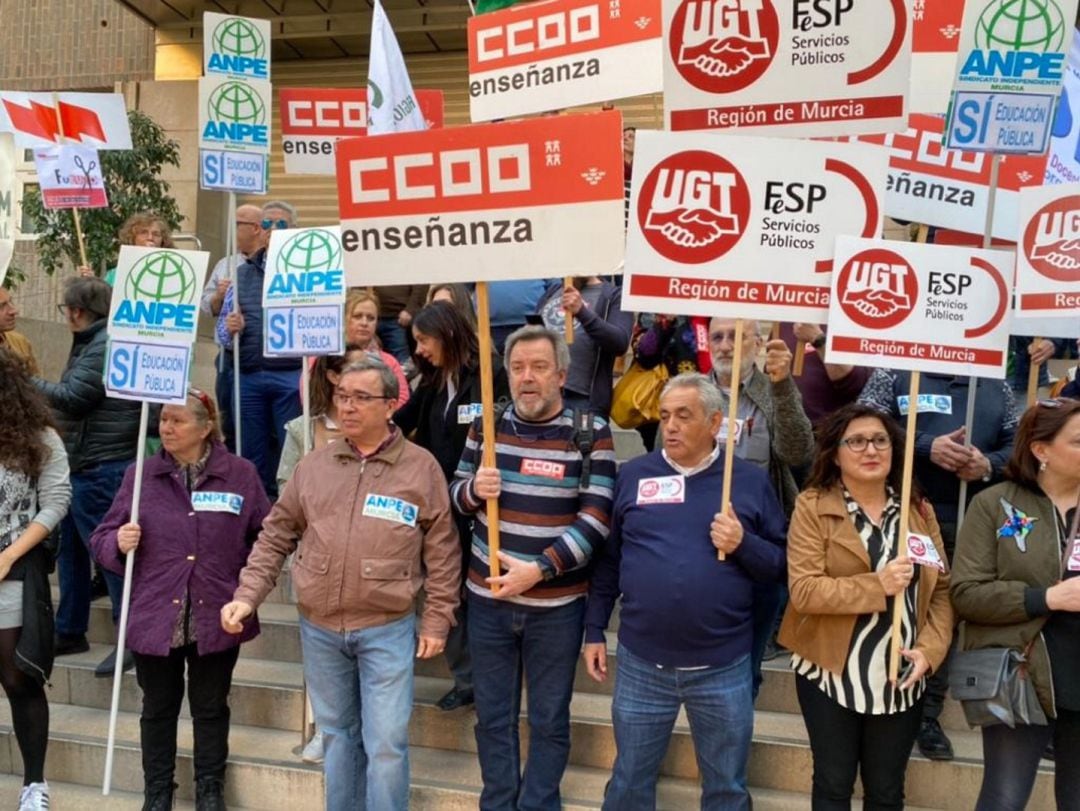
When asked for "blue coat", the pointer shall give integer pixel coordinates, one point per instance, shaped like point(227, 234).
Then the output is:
point(194, 543)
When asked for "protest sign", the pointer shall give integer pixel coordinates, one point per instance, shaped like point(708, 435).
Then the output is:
point(236, 47)
point(949, 188)
point(928, 308)
point(1063, 164)
point(93, 119)
point(744, 226)
point(786, 67)
point(70, 177)
point(314, 119)
point(1011, 59)
point(562, 53)
point(245, 172)
point(935, 30)
point(483, 202)
point(153, 318)
point(1048, 252)
point(304, 292)
point(7, 202)
point(234, 114)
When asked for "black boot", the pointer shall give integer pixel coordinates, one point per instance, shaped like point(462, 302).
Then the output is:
point(158, 798)
point(210, 794)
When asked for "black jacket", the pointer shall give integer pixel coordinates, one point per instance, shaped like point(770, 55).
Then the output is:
point(34, 651)
point(95, 428)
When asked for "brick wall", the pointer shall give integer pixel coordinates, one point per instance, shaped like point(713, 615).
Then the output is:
point(72, 44)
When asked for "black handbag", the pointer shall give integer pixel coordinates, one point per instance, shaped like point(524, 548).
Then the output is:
point(992, 684)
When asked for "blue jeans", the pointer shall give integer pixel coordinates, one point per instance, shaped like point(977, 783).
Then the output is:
point(361, 688)
point(268, 400)
point(393, 339)
point(507, 642)
point(643, 711)
point(223, 393)
point(92, 491)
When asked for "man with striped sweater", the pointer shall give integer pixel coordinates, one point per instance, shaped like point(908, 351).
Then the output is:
point(554, 499)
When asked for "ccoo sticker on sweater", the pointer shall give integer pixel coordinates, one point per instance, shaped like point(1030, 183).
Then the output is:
point(662, 490)
point(211, 501)
point(390, 508)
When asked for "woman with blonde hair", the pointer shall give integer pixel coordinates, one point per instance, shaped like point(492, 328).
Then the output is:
point(144, 230)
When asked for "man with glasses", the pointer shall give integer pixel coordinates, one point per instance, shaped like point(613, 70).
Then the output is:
point(942, 461)
point(269, 387)
point(11, 340)
point(216, 302)
point(772, 432)
point(369, 520)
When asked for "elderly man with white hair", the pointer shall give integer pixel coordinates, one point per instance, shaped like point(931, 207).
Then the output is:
point(686, 624)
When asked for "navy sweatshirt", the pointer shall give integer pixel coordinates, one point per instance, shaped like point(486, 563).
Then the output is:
point(681, 607)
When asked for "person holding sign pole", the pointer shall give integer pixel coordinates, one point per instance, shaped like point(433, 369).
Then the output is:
point(35, 492)
point(369, 520)
point(101, 436)
point(438, 416)
point(942, 460)
point(847, 565)
point(553, 515)
point(269, 387)
point(1015, 585)
point(207, 508)
point(685, 631)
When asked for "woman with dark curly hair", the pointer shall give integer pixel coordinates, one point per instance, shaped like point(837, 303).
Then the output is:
point(34, 497)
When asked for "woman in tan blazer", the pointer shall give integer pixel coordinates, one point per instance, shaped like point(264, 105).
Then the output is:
point(846, 566)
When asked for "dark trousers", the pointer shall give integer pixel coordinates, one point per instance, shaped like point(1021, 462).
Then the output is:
point(223, 392)
point(845, 743)
point(1011, 760)
point(937, 685)
point(162, 681)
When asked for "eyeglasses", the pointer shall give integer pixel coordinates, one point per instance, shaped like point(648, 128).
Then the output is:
point(344, 399)
point(64, 309)
point(859, 443)
point(268, 224)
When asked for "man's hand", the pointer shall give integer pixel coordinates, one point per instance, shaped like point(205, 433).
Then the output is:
point(948, 450)
point(233, 615)
point(595, 655)
point(428, 646)
point(572, 301)
point(777, 360)
point(85, 271)
point(404, 318)
point(807, 333)
point(487, 483)
point(127, 537)
point(1041, 351)
point(521, 575)
point(978, 467)
point(725, 531)
point(920, 667)
point(234, 323)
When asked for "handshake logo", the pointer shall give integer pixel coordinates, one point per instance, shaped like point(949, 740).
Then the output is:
point(721, 46)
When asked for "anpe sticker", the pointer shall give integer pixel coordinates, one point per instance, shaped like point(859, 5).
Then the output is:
point(390, 508)
point(210, 501)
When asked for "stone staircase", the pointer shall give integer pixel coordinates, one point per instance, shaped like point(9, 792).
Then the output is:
point(265, 773)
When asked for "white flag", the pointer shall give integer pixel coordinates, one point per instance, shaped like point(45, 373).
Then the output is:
point(7, 202)
point(392, 104)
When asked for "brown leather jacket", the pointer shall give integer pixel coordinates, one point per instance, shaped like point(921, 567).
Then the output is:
point(368, 534)
point(831, 584)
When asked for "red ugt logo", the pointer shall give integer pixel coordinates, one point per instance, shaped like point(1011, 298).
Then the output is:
point(721, 46)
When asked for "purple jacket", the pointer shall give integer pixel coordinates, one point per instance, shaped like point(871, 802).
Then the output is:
point(195, 543)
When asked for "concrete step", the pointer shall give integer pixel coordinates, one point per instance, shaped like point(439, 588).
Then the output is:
point(75, 797)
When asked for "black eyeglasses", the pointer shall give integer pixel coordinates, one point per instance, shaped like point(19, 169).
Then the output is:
point(344, 399)
point(63, 308)
point(858, 444)
point(268, 224)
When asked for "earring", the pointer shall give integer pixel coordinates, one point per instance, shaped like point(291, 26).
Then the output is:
point(1042, 466)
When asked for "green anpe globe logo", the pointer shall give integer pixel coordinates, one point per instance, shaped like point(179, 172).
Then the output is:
point(238, 103)
point(161, 276)
point(310, 251)
point(238, 37)
point(1021, 25)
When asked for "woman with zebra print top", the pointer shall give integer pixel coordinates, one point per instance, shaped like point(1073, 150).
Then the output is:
point(846, 567)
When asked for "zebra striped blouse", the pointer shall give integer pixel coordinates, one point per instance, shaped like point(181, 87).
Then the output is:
point(863, 685)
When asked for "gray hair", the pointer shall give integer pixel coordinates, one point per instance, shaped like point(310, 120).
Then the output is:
point(535, 332)
point(288, 208)
point(371, 363)
point(711, 399)
point(750, 325)
point(88, 293)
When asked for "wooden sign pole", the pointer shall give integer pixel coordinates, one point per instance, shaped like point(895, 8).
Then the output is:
point(905, 509)
point(487, 399)
point(567, 282)
point(732, 423)
point(1033, 378)
point(74, 211)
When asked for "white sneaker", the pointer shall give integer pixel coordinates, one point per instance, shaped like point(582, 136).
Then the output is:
point(34, 797)
point(313, 750)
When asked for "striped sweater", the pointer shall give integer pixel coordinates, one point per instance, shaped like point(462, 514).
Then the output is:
point(544, 513)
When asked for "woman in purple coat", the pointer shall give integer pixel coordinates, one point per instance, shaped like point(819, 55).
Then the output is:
point(202, 508)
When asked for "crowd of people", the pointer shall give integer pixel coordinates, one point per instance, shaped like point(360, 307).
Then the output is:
point(383, 504)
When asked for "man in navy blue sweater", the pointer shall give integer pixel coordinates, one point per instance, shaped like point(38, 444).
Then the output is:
point(686, 623)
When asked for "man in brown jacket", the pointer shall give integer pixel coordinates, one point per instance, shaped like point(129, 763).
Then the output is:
point(369, 520)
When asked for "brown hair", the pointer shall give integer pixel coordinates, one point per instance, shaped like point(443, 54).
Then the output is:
point(459, 297)
point(825, 473)
point(1040, 423)
point(145, 219)
point(26, 416)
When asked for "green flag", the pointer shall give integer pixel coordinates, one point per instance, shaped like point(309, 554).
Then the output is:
point(484, 6)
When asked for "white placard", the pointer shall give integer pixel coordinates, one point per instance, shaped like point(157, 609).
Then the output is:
point(1048, 252)
point(304, 266)
point(7, 202)
point(236, 47)
point(70, 177)
point(234, 114)
point(303, 331)
point(155, 296)
point(156, 373)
